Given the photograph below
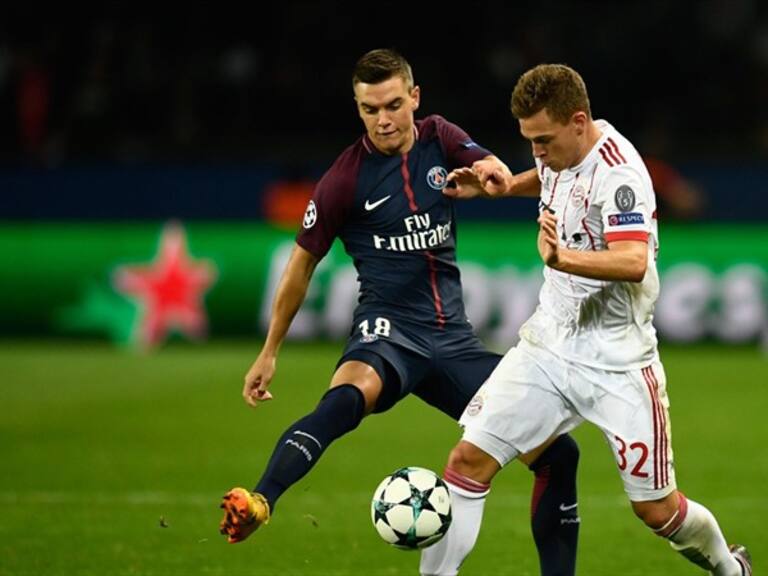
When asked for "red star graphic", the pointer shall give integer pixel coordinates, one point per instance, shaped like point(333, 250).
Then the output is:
point(169, 291)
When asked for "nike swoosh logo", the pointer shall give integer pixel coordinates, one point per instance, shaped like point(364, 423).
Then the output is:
point(373, 205)
point(565, 508)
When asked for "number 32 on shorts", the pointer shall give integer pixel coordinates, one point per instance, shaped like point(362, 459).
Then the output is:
point(638, 450)
point(381, 327)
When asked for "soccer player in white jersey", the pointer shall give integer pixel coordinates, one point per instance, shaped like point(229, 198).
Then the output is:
point(589, 351)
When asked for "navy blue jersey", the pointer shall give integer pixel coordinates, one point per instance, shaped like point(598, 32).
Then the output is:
point(396, 224)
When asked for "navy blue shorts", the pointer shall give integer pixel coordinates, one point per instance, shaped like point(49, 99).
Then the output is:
point(443, 367)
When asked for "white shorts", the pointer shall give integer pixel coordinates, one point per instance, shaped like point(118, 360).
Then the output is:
point(533, 394)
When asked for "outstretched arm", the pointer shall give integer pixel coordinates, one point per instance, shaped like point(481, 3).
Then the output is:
point(491, 178)
point(525, 184)
point(288, 299)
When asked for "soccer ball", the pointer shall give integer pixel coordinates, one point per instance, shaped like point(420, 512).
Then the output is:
point(411, 508)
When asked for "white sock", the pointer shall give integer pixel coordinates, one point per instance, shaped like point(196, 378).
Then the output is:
point(467, 503)
point(695, 534)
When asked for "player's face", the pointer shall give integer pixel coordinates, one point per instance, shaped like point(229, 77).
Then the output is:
point(557, 145)
point(387, 111)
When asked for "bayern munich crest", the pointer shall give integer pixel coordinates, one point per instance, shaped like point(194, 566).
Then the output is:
point(475, 405)
point(437, 177)
point(578, 195)
point(310, 216)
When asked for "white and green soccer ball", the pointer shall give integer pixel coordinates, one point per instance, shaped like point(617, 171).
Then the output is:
point(411, 508)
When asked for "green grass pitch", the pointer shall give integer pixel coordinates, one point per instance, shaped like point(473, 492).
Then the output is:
point(113, 462)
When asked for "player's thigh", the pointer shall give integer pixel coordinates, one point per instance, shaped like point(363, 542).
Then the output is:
point(457, 374)
point(519, 408)
point(398, 369)
point(633, 413)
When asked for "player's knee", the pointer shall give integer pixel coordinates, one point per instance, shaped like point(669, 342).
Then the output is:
point(468, 460)
point(462, 457)
point(567, 451)
point(341, 409)
point(655, 514)
point(561, 456)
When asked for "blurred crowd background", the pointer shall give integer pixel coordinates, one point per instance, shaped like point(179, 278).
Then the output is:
point(686, 81)
point(689, 80)
point(128, 132)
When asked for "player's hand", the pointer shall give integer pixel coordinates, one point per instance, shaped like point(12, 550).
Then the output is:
point(257, 380)
point(463, 183)
point(493, 175)
point(549, 247)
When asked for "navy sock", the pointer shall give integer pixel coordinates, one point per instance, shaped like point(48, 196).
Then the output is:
point(340, 410)
point(554, 511)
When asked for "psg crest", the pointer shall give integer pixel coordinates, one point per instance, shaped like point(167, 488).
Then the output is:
point(436, 177)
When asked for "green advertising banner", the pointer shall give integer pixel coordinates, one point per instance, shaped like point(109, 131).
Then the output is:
point(142, 283)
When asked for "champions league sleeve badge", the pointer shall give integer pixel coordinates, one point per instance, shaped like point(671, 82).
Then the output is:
point(310, 216)
point(624, 198)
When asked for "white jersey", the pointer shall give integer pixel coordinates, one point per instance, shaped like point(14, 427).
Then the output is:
point(608, 197)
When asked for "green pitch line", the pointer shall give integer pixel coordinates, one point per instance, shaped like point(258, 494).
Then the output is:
point(113, 462)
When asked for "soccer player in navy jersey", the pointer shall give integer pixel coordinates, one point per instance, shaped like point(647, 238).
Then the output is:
point(383, 197)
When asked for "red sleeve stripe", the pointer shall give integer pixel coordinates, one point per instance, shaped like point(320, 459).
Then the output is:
point(605, 157)
point(616, 149)
point(611, 153)
point(630, 235)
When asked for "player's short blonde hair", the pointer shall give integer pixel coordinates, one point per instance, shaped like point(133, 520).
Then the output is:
point(556, 87)
point(380, 65)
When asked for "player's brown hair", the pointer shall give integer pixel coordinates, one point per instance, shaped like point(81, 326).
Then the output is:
point(556, 87)
point(381, 64)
